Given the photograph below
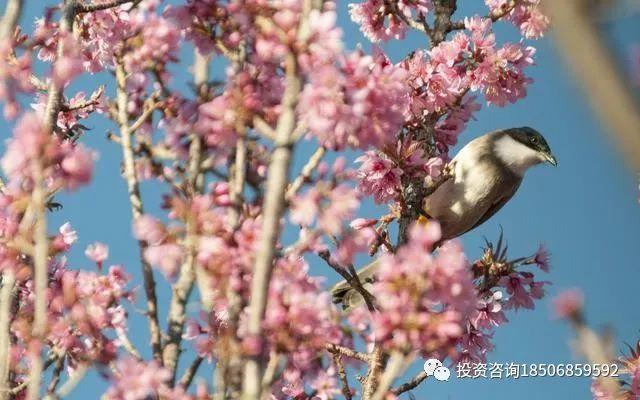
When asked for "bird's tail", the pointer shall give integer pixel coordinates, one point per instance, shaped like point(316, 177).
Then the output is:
point(343, 293)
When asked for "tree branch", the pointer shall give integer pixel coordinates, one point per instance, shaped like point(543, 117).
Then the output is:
point(70, 384)
point(137, 208)
point(273, 208)
point(342, 374)
point(412, 384)
point(443, 10)
point(87, 8)
point(351, 277)
point(10, 18)
point(306, 172)
point(54, 93)
point(6, 299)
point(184, 285)
point(396, 364)
point(347, 352)
point(41, 275)
point(190, 373)
point(493, 16)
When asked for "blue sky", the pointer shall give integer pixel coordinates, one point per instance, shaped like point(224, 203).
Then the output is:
point(585, 211)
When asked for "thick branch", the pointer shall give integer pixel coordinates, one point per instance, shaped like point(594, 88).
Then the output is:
point(273, 208)
point(86, 8)
point(136, 208)
point(376, 366)
point(6, 299)
point(443, 11)
point(54, 93)
point(10, 18)
point(394, 368)
point(41, 276)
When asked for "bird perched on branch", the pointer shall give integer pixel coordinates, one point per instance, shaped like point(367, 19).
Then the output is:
point(486, 173)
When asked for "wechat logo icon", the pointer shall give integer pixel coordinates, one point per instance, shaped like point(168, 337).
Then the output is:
point(433, 367)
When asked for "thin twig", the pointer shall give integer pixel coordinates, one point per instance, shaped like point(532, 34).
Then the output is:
point(19, 388)
point(55, 377)
point(412, 384)
point(347, 352)
point(190, 373)
point(137, 209)
point(184, 285)
point(144, 116)
point(70, 384)
point(306, 172)
point(124, 340)
point(493, 16)
point(351, 277)
point(342, 374)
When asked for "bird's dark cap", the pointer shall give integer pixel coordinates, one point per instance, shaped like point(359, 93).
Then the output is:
point(534, 140)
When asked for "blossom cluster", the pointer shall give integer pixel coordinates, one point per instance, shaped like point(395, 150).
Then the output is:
point(411, 294)
point(35, 151)
point(380, 20)
point(362, 102)
point(286, 73)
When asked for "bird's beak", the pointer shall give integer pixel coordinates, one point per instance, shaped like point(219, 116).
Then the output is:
point(550, 159)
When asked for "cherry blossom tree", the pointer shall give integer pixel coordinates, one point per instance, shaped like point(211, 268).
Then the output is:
point(223, 153)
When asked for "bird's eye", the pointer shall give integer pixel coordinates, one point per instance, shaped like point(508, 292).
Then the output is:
point(533, 139)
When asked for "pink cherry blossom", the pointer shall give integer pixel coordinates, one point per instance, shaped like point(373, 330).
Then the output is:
point(361, 102)
point(542, 258)
point(408, 294)
point(159, 42)
point(149, 229)
point(378, 177)
point(526, 15)
point(273, 69)
point(378, 22)
point(69, 236)
point(167, 257)
point(97, 252)
point(14, 77)
point(568, 303)
point(137, 380)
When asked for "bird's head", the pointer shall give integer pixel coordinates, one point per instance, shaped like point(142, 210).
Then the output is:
point(521, 148)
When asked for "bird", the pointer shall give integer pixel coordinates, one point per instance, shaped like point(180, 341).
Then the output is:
point(485, 174)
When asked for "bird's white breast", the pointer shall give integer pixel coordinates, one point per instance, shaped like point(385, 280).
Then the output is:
point(462, 200)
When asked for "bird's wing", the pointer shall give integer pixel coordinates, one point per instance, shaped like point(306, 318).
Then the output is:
point(496, 205)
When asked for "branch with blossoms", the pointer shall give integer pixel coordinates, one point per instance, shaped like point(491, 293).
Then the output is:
point(597, 348)
point(239, 225)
